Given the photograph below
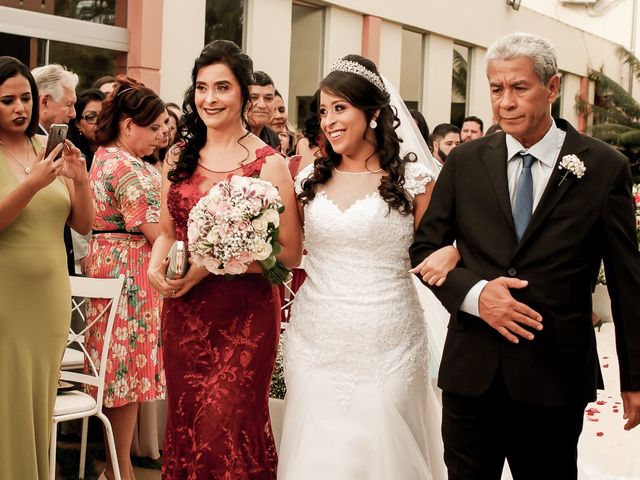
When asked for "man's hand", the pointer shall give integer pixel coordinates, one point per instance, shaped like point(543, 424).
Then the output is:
point(500, 310)
point(631, 405)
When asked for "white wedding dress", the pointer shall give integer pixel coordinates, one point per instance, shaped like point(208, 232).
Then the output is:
point(359, 403)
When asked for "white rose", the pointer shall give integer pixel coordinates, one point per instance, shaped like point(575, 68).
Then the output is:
point(262, 251)
point(260, 224)
point(272, 216)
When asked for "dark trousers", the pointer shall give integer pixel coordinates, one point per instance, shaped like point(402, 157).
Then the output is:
point(479, 433)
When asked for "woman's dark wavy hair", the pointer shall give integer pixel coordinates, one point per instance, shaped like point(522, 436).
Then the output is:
point(365, 96)
point(192, 128)
point(12, 67)
point(129, 99)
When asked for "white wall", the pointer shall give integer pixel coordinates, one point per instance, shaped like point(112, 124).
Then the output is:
point(570, 88)
point(268, 39)
point(342, 35)
point(182, 41)
point(478, 101)
point(436, 90)
point(390, 48)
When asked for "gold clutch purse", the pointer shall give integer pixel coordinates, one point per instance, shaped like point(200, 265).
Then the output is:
point(178, 261)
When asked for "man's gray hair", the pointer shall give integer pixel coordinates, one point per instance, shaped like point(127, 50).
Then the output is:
point(540, 50)
point(53, 79)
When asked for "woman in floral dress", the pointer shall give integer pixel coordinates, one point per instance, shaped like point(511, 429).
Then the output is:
point(127, 199)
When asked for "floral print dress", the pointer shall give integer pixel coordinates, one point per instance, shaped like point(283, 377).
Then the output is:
point(126, 195)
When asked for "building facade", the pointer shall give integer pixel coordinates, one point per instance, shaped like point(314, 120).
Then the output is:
point(431, 49)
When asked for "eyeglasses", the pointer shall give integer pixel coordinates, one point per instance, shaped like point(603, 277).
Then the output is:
point(90, 118)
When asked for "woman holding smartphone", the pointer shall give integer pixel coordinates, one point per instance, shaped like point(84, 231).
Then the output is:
point(38, 195)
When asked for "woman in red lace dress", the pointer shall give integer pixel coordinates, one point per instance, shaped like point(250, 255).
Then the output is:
point(220, 333)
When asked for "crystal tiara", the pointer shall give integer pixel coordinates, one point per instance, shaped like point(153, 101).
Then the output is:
point(356, 68)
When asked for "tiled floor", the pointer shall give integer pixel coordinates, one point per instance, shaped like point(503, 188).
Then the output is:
point(606, 451)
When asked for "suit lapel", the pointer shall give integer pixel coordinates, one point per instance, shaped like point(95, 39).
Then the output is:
point(556, 187)
point(495, 159)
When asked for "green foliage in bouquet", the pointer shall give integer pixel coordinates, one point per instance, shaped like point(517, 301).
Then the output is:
point(273, 270)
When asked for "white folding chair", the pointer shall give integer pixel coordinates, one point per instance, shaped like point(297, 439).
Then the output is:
point(75, 404)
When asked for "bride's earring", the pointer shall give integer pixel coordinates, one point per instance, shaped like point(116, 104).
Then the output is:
point(373, 124)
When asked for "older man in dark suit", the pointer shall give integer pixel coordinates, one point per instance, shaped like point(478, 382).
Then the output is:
point(533, 210)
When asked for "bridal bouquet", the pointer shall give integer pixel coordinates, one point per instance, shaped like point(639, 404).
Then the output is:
point(235, 224)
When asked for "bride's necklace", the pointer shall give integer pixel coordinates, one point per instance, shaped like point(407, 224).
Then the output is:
point(366, 172)
point(27, 167)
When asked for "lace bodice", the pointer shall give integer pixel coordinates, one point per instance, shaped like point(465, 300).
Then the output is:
point(357, 315)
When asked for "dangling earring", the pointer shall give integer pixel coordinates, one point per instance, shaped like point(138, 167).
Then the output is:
point(373, 124)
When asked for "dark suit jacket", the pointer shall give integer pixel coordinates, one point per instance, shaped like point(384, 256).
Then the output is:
point(573, 227)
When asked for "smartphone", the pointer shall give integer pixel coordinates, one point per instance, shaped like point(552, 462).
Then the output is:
point(57, 135)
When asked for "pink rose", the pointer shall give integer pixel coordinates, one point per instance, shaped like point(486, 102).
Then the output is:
point(193, 233)
point(245, 258)
point(213, 265)
point(234, 267)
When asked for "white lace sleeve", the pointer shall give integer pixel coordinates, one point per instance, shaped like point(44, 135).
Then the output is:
point(416, 178)
point(302, 176)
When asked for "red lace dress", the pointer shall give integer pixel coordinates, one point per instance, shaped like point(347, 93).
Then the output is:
point(220, 343)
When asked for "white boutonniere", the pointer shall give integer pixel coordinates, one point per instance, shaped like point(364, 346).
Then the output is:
point(571, 164)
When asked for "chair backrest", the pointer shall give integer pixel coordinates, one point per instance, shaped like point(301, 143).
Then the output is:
point(109, 289)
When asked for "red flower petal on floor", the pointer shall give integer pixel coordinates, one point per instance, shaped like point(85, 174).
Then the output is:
point(615, 410)
point(593, 419)
point(601, 402)
point(600, 434)
point(606, 365)
point(604, 358)
point(592, 411)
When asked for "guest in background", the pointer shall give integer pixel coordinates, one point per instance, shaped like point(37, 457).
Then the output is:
point(279, 116)
point(220, 332)
point(82, 132)
point(154, 161)
point(309, 146)
point(57, 97)
point(260, 110)
point(174, 132)
point(105, 84)
point(421, 123)
point(287, 140)
point(175, 108)
point(37, 197)
point(445, 137)
point(82, 129)
point(472, 128)
point(127, 197)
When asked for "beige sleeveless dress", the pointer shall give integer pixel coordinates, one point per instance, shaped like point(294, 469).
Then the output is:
point(35, 311)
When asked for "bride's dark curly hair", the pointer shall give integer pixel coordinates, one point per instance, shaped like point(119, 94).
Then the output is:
point(365, 96)
point(191, 125)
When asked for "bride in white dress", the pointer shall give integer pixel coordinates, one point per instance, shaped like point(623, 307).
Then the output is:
point(359, 403)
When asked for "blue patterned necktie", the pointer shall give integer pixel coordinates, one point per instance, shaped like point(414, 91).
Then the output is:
point(523, 202)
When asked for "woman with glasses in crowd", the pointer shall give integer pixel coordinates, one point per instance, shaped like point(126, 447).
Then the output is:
point(82, 129)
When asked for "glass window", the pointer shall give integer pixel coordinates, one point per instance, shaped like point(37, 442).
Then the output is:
point(224, 19)
point(107, 12)
point(411, 70)
point(89, 63)
point(307, 37)
point(459, 83)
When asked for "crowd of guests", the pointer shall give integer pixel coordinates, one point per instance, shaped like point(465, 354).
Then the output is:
point(121, 189)
point(121, 133)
